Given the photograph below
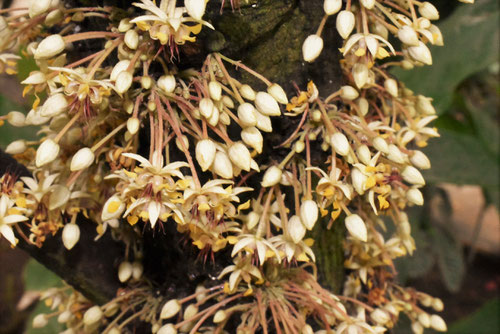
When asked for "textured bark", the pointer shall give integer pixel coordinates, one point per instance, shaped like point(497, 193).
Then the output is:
point(266, 35)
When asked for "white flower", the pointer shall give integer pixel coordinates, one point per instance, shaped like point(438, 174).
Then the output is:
point(195, 8)
point(6, 220)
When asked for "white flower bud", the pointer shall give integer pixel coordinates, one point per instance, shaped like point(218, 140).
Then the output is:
point(131, 39)
point(92, 316)
point(299, 146)
point(391, 86)
point(415, 196)
point(35, 78)
point(263, 122)
point(171, 308)
point(437, 304)
point(114, 330)
point(420, 160)
point(332, 6)
point(64, 317)
point(123, 82)
point(205, 153)
point(421, 53)
point(438, 324)
point(125, 25)
point(206, 107)
point(137, 270)
point(16, 118)
point(53, 17)
point(39, 7)
point(195, 8)
point(381, 317)
point(167, 84)
point(356, 227)
point(253, 138)
point(424, 319)
point(112, 209)
point(296, 229)
point(133, 125)
point(340, 143)
point(358, 180)
point(309, 213)
point(16, 147)
point(49, 47)
point(167, 329)
point(380, 145)
point(428, 11)
point(247, 114)
point(54, 105)
point(312, 47)
point(272, 176)
point(396, 155)
point(121, 66)
point(82, 159)
point(363, 105)
point(345, 23)
point(348, 93)
point(360, 74)
point(424, 105)
point(240, 156)
point(40, 321)
point(364, 155)
point(247, 92)
point(214, 118)
point(222, 165)
point(411, 175)
point(368, 4)
point(437, 36)
point(220, 316)
point(200, 292)
point(408, 35)
point(215, 90)
point(277, 92)
point(417, 328)
point(190, 311)
point(125, 271)
point(228, 102)
point(266, 104)
point(46, 153)
point(70, 235)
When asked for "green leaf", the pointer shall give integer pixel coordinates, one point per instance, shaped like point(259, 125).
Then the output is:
point(37, 277)
point(471, 38)
point(484, 321)
point(450, 260)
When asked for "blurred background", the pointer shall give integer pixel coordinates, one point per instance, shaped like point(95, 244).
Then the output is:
point(457, 232)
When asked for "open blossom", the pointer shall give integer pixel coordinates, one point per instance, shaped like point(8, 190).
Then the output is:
point(8, 217)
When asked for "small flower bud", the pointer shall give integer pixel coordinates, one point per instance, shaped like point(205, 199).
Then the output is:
point(424, 319)
point(123, 82)
point(195, 8)
point(380, 145)
point(205, 153)
point(146, 82)
point(417, 328)
point(125, 25)
point(368, 4)
point(46, 153)
point(396, 155)
point(228, 102)
point(299, 146)
point(40, 321)
point(437, 36)
point(364, 155)
point(411, 175)
point(340, 143)
point(82, 159)
point(54, 105)
point(222, 165)
point(16, 118)
point(120, 67)
point(363, 105)
point(345, 23)
point(92, 316)
point(428, 11)
point(391, 86)
point(437, 304)
point(220, 316)
point(415, 196)
point(277, 93)
point(360, 74)
point(39, 7)
point(200, 292)
point(309, 213)
point(70, 235)
point(240, 156)
point(167, 329)
point(64, 317)
point(408, 35)
point(215, 90)
point(296, 229)
point(50, 47)
point(133, 125)
point(167, 84)
point(358, 180)
point(16, 147)
point(424, 105)
point(420, 160)
point(190, 311)
point(253, 138)
point(131, 39)
point(247, 92)
point(272, 176)
point(437, 323)
point(420, 53)
point(312, 47)
point(332, 6)
point(247, 114)
point(348, 93)
point(252, 220)
point(266, 104)
point(214, 118)
point(356, 227)
point(263, 122)
point(171, 308)
point(137, 270)
point(125, 271)
point(206, 107)
point(381, 317)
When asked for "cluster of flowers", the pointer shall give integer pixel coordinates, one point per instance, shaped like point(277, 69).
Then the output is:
point(369, 130)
